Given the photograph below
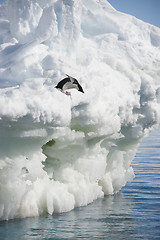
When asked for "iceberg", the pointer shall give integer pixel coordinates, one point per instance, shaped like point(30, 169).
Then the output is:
point(59, 152)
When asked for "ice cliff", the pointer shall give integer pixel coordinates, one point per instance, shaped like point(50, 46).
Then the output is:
point(57, 152)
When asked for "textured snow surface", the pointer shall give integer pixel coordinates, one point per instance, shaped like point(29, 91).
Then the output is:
point(59, 152)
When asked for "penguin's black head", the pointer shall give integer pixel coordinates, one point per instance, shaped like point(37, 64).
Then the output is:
point(80, 89)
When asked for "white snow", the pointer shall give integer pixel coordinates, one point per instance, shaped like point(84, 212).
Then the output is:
point(57, 152)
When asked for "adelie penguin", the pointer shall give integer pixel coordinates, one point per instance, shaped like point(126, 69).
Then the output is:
point(69, 83)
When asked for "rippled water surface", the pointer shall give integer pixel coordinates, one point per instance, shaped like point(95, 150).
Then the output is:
point(134, 213)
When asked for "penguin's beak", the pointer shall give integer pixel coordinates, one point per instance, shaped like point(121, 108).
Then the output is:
point(81, 90)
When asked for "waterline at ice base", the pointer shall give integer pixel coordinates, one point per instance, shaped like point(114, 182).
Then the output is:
point(58, 152)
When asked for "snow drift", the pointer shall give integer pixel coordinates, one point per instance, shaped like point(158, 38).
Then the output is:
point(57, 152)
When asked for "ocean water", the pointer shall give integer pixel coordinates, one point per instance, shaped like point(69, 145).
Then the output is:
point(133, 213)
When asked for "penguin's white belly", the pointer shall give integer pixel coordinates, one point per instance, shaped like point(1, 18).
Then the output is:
point(69, 85)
